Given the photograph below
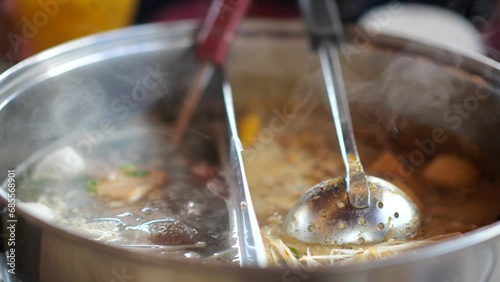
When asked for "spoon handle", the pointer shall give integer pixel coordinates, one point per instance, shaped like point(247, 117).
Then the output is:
point(214, 38)
point(219, 28)
point(357, 184)
point(327, 35)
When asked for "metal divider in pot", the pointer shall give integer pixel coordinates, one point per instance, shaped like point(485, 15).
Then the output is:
point(241, 209)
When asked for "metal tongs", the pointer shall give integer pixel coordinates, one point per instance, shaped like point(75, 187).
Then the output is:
point(214, 38)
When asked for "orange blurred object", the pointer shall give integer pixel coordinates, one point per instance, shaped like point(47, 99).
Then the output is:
point(44, 23)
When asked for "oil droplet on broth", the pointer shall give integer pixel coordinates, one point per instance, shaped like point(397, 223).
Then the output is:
point(342, 225)
point(324, 213)
point(361, 240)
point(311, 228)
point(327, 239)
point(380, 226)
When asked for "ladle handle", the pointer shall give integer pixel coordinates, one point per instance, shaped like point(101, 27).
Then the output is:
point(327, 35)
point(218, 29)
point(357, 185)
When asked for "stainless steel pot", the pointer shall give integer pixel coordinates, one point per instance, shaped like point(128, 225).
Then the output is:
point(105, 66)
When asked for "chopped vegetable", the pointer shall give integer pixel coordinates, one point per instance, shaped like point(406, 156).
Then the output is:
point(127, 167)
point(87, 182)
point(131, 170)
point(36, 183)
point(249, 126)
point(92, 186)
point(294, 251)
point(138, 173)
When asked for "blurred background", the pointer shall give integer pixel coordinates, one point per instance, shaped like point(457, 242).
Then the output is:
point(30, 26)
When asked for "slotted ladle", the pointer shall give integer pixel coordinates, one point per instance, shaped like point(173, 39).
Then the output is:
point(356, 208)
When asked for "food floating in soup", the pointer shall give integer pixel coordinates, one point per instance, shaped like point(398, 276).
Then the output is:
point(134, 191)
point(453, 195)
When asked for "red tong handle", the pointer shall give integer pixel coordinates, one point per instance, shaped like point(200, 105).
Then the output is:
point(218, 29)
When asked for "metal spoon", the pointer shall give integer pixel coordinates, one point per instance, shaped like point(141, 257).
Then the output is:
point(355, 209)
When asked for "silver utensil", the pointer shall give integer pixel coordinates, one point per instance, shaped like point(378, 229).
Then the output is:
point(355, 209)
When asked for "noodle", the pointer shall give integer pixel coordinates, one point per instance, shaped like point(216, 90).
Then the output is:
point(281, 254)
point(303, 155)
